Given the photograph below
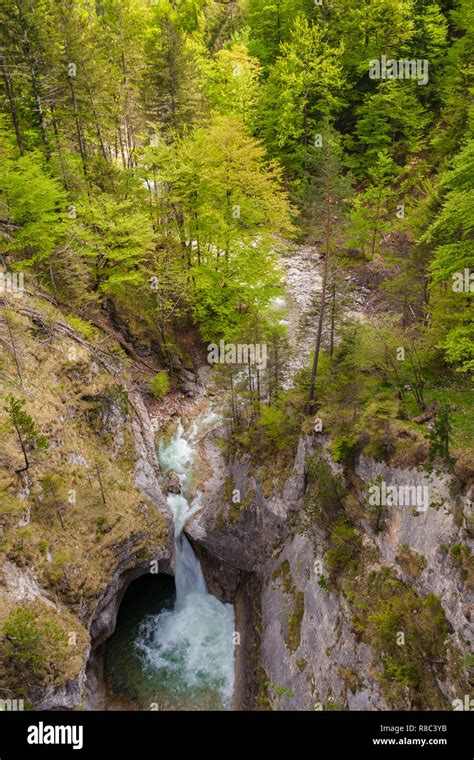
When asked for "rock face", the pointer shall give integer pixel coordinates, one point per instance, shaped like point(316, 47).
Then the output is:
point(306, 647)
point(326, 646)
point(258, 542)
point(66, 697)
point(173, 483)
point(193, 382)
point(127, 569)
point(128, 565)
point(147, 475)
point(429, 533)
point(244, 533)
point(130, 562)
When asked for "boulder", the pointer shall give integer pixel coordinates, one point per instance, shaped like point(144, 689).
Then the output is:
point(173, 484)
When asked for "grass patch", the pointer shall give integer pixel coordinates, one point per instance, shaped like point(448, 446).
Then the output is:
point(295, 615)
point(412, 563)
point(407, 634)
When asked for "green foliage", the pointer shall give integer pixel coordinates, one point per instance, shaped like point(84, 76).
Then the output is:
point(344, 448)
point(302, 92)
point(440, 435)
point(228, 196)
point(393, 109)
point(345, 544)
point(423, 637)
point(370, 207)
point(274, 429)
point(159, 384)
point(24, 426)
point(296, 612)
point(451, 234)
point(274, 694)
point(234, 86)
point(323, 497)
point(271, 23)
point(366, 30)
point(34, 205)
point(407, 632)
point(34, 647)
point(22, 421)
point(87, 330)
point(275, 425)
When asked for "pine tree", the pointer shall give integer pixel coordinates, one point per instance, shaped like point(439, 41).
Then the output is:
point(303, 91)
point(331, 188)
point(25, 429)
point(451, 310)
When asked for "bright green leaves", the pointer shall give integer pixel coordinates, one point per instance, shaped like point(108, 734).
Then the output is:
point(453, 227)
point(452, 234)
point(369, 29)
point(391, 119)
point(370, 207)
point(119, 237)
point(271, 23)
point(33, 206)
point(25, 428)
point(229, 206)
point(303, 90)
point(233, 86)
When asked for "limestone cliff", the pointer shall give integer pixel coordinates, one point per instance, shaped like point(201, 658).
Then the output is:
point(339, 608)
point(86, 516)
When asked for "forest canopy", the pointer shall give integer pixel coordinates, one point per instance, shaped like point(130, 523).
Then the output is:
point(166, 153)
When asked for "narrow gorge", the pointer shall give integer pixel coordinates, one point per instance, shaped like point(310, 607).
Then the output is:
point(240, 580)
point(236, 363)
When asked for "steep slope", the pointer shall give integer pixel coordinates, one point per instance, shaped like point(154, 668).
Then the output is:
point(87, 515)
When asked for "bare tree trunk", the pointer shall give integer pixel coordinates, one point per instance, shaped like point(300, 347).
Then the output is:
point(33, 76)
point(333, 318)
point(78, 127)
point(100, 482)
point(12, 341)
point(128, 131)
point(59, 147)
point(96, 120)
point(314, 370)
point(232, 399)
point(11, 102)
point(27, 464)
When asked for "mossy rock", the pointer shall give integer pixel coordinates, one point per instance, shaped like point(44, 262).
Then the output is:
point(295, 615)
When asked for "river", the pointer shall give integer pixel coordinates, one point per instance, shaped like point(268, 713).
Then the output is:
point(173, 647)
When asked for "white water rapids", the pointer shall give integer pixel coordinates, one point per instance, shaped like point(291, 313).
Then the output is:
point(191, 644)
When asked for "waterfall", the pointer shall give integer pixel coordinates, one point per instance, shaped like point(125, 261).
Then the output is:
point(191, 644)
point(188, 574)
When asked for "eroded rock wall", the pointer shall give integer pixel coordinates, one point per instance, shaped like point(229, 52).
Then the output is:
point(303, 649)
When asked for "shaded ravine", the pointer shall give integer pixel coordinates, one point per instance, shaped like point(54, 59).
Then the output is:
point(175, 650)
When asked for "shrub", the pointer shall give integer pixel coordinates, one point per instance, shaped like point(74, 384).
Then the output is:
point(274, 422)
point(344, 449)
point(325, 490)
point(159, 384)
point(33, 648)
point(87, 330)
point(345, 545)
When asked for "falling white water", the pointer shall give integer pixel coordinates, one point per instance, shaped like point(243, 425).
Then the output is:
point(192, 644)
